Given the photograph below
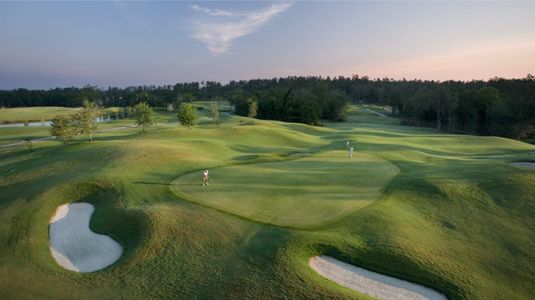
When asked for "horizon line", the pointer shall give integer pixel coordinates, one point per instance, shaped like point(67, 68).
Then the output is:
point(323, 77)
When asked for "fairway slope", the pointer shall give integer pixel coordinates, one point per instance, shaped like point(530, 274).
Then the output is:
point(371, 283)
point(74, 246)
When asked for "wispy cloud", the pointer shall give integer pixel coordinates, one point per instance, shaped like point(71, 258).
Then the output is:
point(218, 34)
point(215, 12)
point(127, 14)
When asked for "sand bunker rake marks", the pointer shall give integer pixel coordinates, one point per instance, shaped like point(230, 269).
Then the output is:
point(367, 282)
point(74, 246)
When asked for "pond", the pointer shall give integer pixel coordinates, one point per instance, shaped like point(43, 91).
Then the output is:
point(47, 123)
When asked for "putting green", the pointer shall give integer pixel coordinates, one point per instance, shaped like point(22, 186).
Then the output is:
point(300, 193)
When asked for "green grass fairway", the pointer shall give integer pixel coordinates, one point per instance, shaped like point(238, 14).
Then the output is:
point(443, 210)
point(15, 134)
point(37, 114)
point(14, 115)
point(298, 193)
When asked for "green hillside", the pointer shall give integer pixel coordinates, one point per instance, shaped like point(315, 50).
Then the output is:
point(442, 210)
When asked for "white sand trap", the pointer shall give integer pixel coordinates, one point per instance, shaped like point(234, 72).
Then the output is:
point(370, 283)
point(524, 164)
point(74, 246)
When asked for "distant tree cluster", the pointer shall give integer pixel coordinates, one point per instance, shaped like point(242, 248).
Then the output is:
point(498, 107)
point(82, 122)
point(504, 107)
point(292, 104)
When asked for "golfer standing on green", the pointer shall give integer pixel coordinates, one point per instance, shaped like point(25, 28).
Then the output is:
point(351, 152)
point(205, 177)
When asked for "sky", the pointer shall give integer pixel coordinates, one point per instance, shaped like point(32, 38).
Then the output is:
point(57, 44)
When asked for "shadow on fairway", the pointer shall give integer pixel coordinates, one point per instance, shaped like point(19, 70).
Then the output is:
point(152, 183)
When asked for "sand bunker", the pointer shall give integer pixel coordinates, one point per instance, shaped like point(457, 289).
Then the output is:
point(74, 246)
point(524, 164)
point(370, 283)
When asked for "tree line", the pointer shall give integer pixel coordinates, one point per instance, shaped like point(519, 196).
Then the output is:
point(503, 107)
point(500, 107)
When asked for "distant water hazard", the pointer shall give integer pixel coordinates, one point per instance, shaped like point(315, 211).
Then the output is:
point(370, 283)
point(47, 123)
point(524, 164)
point(30, 124)
point(74, 246)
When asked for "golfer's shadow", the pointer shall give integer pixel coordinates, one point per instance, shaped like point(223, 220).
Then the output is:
point(152, 183)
